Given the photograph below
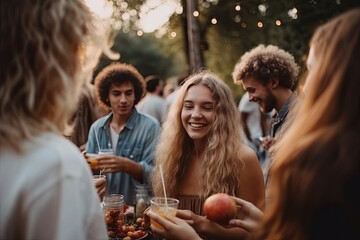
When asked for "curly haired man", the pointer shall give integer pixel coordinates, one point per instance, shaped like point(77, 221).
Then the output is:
point(131, 135)
point(268, 74)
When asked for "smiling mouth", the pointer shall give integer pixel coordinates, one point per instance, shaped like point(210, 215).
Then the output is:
point(197, 125)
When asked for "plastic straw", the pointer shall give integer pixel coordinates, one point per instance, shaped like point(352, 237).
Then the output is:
point(97, 141)
point(164, 189)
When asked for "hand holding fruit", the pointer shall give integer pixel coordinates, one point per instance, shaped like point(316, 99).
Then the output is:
point(248, 216)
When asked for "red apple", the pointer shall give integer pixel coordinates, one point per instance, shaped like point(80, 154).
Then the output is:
point(220, 208)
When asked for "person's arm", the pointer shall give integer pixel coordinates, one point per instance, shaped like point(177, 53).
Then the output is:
point(147, 159)
point(139, 171)
point(91, 144)
point(173, 228)
point(265, 124)
point(244, 116)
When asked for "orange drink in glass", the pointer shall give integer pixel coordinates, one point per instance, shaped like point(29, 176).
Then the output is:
point(92, 160)
point(163, 208)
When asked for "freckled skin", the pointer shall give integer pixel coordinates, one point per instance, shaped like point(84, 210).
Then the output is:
point(220, 208)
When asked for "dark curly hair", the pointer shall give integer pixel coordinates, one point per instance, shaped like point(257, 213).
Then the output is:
point(118, 73)
point(265, 63)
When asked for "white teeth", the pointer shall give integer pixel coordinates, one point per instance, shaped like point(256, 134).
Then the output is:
point(196, 125)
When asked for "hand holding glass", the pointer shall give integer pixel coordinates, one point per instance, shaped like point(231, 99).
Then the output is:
point(99, 182)
point(92, 160)
point(163, 208)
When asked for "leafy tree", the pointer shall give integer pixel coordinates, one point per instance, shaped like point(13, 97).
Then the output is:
point(144, 53)
point(229, 28)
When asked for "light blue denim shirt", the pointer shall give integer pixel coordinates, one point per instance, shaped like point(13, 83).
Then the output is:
point(137, 141)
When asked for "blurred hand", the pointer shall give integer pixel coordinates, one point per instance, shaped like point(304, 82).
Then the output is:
point(100, 185)
point(173, 228)
point(267, 142)
point(112, 163)
point(147, 219)
point(248, 216)
point(84, 154)
point(82, 147)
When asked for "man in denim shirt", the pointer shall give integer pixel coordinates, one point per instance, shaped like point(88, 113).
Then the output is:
point(131, 135)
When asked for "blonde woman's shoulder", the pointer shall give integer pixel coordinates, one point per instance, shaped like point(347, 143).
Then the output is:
point(252, 186)
point(248, 154)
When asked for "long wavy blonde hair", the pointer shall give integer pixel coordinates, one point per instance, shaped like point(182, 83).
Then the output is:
point(48, 49)
point(222, 158)
point(317, 162)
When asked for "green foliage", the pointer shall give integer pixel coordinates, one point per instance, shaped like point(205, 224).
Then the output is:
point(144, 53)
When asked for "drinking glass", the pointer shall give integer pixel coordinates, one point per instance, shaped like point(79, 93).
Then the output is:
point(108, 151)
point(104, 152)
point(163, 208)
point(92, 160)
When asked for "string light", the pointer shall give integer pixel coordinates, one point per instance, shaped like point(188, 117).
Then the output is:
point(278, 22)
point(196, 13)
point(237, 8)
point(293, 13)
point(260, 24)
point(172, 35)
point(243, 25)
point(237, 18)
point(214, 21)
point(140, 33)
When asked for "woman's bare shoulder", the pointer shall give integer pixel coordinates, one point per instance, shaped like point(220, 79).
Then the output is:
point(252, 188)
point(248, 154)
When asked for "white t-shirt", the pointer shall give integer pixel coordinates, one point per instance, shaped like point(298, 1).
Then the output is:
point(254, 118)
point(154, 106)
point(47, 193)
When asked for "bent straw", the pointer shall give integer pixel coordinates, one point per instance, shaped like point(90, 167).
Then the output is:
point(163, 184)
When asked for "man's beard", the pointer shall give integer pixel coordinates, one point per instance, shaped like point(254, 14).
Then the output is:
point(270, 102)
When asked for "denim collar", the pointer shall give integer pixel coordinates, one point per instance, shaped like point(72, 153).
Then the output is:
point(130, 123)
point(285, 109)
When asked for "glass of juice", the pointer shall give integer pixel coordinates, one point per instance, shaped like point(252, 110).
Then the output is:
point(92, 160)
point(163, 208)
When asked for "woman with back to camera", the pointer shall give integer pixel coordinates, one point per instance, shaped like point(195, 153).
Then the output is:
point(316, 177)
point(201, 153)
point(48, 50)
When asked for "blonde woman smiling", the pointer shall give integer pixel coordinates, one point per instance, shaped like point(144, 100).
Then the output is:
point(201, 153)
